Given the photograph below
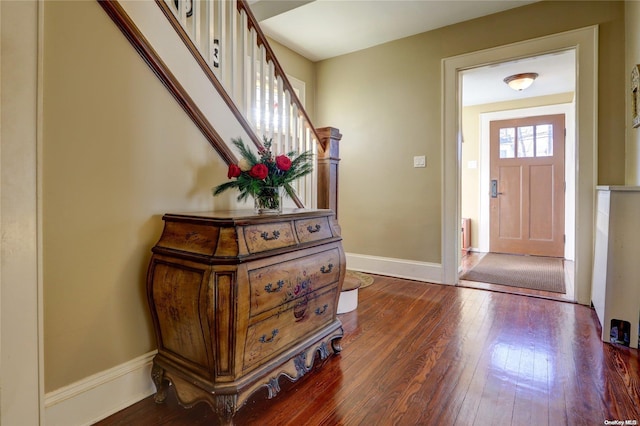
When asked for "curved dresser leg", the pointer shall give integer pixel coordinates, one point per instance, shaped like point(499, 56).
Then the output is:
point(226, 406)
point(157, 374)
point(336, 345)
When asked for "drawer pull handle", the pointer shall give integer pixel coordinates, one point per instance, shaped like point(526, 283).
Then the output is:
point(313, 229)
point(323, 310)
point(269, 287)
point(265, 339)
point(325, 269)
point(265, 236)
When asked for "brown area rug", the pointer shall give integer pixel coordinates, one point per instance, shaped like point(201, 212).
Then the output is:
point(533, 272)
point(355, 279)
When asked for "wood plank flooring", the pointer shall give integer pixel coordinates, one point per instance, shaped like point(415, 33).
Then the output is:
point(426, 354)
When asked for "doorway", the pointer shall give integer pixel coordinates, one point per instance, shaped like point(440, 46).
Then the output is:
point(516, 167)
point(585, 40)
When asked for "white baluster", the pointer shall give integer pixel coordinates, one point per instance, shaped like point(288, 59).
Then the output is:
point(185, 16)
point(295, 127)
point(275, 108)
point(231, 18)
point(274, 111)
point(262, 64)
point(180, 10)
point(243, 49)
point(308, 197)
point(197, 27)
point(286, 121)
point(206, 41)
point(252, 81)
point(282, 108)
point(313, 196)
point(270, 97)
point(305, 181)
point(221, 32)
point(213, 52)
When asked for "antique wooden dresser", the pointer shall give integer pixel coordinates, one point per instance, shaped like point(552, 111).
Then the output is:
point(238, 300)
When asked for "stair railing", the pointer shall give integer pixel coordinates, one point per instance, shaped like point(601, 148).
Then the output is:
point(227, 41)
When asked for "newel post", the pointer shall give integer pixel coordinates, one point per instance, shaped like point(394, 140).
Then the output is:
point(328, 159)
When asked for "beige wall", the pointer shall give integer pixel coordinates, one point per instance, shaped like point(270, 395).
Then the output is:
point(118, 152)
point(469, 185)
point(386, 101)
point(632, 38)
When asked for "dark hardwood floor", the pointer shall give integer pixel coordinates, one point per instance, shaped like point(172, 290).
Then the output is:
point(426, 354)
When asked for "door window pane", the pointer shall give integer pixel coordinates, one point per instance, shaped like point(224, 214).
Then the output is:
point(544, 140)
point(507, 142)
point(525, 141)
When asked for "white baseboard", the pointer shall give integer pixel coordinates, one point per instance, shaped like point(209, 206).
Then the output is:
point(409, 269)
point(101, 395)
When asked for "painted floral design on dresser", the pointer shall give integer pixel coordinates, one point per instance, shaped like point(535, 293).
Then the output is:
point(285, 324)
point(277, 284)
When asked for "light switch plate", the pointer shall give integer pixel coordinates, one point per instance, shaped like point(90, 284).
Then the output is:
point(419, 161)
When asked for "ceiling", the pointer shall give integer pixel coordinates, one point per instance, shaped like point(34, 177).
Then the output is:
point(322, 29)
point(556, 74)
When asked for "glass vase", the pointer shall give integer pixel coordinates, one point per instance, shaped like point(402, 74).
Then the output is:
point(268, 200)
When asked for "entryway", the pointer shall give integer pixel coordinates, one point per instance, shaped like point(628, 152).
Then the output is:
point(517, 188)
point(584, 40)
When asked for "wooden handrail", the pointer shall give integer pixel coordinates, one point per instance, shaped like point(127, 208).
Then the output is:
point(168, 79)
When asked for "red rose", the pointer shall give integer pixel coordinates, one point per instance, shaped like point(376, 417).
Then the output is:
point(259, 171)
point(234, 171)
point(283, 162)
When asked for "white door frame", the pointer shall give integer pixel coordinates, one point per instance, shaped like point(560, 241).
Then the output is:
point(21, 340)
point(585, 41)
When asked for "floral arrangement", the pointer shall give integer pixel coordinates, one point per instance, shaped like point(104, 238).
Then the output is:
point(261, 176)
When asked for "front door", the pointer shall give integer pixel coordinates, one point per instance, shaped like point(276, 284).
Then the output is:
point(527, 186)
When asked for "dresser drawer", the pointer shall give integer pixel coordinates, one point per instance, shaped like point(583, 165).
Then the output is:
point(281, 282)
point(313, 229)
point(283, 329)
point(192, 238)
point(269, 236)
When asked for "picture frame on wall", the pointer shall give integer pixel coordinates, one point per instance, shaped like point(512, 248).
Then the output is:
point(635, 96)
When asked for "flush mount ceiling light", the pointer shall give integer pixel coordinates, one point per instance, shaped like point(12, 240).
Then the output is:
point(521, 81)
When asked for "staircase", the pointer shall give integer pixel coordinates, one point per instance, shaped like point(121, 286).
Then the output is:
point(225, 41)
